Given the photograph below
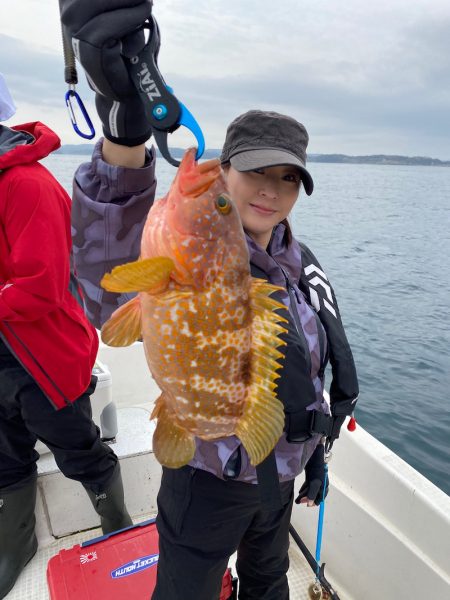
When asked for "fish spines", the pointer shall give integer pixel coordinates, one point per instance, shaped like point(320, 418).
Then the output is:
point(262, 422)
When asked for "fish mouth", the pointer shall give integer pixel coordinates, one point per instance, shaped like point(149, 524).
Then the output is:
point(196, 178)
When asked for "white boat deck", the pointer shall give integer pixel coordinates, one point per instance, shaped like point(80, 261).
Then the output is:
point(63, 507)
point(32, 583)
point(386, 530)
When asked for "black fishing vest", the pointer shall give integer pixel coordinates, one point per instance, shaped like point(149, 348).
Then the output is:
point(295, 388)
point(314, 284)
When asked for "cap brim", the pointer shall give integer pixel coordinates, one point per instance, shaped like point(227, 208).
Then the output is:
point(248, 160)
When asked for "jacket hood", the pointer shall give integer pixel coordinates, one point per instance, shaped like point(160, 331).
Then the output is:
point(25, 144)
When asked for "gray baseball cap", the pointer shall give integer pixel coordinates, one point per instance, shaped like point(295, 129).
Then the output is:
point(259, 139)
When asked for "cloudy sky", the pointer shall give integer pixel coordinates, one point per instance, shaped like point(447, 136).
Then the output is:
point(365, 78)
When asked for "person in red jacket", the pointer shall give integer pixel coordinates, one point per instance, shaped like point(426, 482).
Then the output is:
point(47, 349)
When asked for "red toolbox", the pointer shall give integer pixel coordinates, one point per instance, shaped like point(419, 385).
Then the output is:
point(118, 566)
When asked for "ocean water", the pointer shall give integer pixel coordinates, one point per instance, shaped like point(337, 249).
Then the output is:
point(382, 235)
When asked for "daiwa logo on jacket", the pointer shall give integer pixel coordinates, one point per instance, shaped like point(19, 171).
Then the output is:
point(319, 279)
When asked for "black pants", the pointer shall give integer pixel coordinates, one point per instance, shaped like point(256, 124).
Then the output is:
point(202, 520)
point(26, 415)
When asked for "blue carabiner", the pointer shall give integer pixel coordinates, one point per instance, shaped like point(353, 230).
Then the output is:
point(71, 93)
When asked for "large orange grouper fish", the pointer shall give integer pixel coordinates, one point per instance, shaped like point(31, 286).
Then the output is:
point(210, 330)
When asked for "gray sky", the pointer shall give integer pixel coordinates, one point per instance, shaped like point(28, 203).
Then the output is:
point(365, 78)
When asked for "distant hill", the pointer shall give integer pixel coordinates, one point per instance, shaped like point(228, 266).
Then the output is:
point(373, 159)
point(378, 159)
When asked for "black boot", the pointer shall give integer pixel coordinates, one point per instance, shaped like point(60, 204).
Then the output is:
point(109, 504)
point(18, 541)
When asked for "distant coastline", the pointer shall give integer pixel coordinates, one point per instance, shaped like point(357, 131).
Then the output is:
point(373, 159)
point(379, 159)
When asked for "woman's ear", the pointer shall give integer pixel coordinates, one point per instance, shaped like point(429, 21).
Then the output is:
point(225, 170)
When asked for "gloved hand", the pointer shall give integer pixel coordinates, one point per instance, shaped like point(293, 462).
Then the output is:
point(312, 489)
point(104, 35)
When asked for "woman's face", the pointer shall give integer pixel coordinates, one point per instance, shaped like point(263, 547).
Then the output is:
point(263, 197)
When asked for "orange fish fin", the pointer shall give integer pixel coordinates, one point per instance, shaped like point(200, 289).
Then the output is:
point(173, 446)
point(262, 422)
point(261, 425)
point(149, 275)
point(124, 326)
point(260, 293)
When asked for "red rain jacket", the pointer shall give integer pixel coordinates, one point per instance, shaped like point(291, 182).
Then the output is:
point(41, 320)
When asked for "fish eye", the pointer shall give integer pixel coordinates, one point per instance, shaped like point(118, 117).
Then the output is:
point(223, 205)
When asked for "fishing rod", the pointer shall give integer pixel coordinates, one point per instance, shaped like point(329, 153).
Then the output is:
point(314, 563)
point(321, 583)
point(319, 570)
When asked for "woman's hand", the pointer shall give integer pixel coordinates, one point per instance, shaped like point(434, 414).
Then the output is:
point(311, 492)
point(105, 35)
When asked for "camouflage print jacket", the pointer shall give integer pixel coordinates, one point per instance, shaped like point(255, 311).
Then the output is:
point(110, 205)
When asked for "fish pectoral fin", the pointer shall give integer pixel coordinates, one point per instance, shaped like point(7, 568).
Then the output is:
point(149, 275)
point(175, 295)
point(173, 446)
point(124, 326)
point(262, 422)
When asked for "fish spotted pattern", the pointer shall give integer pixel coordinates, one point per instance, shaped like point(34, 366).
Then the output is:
point(210, 330)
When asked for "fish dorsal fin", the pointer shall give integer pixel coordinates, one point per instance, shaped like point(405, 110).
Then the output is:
point(149, 275)
point(262, 422)
point(124, 326)
point(173, 446)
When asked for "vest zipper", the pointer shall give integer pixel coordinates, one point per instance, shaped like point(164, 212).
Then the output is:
point(322, 343)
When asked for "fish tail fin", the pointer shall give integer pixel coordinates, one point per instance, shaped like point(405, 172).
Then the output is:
point(262, 422)
point(149, 275)
point(173, 446)
point(124, 326)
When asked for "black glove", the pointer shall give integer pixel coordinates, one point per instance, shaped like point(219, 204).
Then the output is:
point(104, 35)
point(314, 477)
point(338, 421)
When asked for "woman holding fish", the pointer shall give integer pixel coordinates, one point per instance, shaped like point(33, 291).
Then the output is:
point(238, 322)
